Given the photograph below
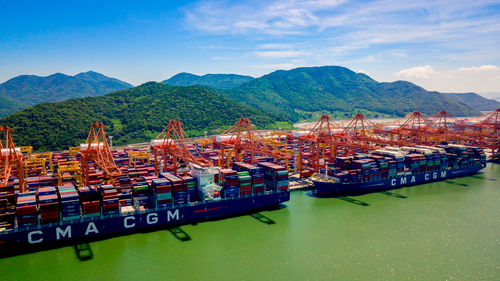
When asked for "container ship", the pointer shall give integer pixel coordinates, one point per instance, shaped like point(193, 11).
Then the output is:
point(394, 167)
point(51, 214)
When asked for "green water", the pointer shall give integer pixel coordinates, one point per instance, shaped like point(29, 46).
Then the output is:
point(440, 231)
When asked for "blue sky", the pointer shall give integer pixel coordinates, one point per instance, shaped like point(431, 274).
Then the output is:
point(440, 45)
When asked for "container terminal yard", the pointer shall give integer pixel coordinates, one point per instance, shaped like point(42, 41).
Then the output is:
point(93, 191)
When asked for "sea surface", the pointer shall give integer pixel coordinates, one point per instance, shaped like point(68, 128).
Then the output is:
point(440, 231)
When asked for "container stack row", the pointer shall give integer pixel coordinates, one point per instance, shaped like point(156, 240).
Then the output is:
point(140, 191)
point(26, 209)
point(179, 188)
point(275, 176)
point(229, 181)
point(109, 200)
point(161, 193)
point(256, 174)
point(48, 205)
point(462, 156)
point(245, 183)
point(90, 202)
point(70, 202)
point(191, 188)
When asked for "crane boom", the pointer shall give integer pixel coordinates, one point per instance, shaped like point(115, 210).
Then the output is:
point(96, 149)
point(173, 142)
point(11, 158)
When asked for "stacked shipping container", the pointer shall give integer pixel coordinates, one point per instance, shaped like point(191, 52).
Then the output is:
point(70, 202)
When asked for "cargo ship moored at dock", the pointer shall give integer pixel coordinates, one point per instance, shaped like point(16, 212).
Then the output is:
point(88, 229)
point(52, 216)
point(398, 167)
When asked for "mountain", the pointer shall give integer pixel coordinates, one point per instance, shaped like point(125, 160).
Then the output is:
point(217, 81)
point(28, 90)
point(475, 101)
point(132, 115)
point(302, 92)
point(8, 105)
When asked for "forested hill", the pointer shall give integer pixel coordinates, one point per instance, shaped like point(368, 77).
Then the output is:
point(341, 92)
point(132, 115)
point(475, 101)
point(217, 81)
point(28, 90)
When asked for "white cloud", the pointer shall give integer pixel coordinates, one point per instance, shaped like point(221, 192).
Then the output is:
point(344, 26)
point(275, 46)
point(482, 68)
point(279, 54)
point(269, 17)
point(278, 66)
point(464, 79)
point(400, 54)
point(416, 72)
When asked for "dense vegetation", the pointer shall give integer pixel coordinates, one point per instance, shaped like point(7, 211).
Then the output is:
point(474, 100)
point(300, 92)
point(217, 81)
point(28, 90)
point(133, 115)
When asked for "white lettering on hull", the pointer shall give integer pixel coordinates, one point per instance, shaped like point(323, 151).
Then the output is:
point(403, 180)
point(34, 241)
point(91, 228)
point(174, 216)
point(65, 232)
point(60, 233)
point(152, 218)
point(126, 224)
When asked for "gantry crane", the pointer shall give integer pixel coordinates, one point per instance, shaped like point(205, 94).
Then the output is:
point(359, 133)
point(96, 149)
point(405, 131)
point(11, 158)
point(173, 143)
point(492, 122)
point(68, 171)
point(241, 138)
point(322, 134)
point(483, 131)
point(138, 155)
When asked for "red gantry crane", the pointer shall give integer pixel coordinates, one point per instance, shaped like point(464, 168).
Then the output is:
point(173, 144)
point(405, 131)
point(11, 159)
point(241, 138)
point(96, 149)
point(320, 136)
point(326, 138)
point(359, 134)
point(484, 131)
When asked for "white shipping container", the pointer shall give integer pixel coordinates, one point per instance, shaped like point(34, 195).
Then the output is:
point(156, 143)
point(93, 146)
point(5, 151)
point(436, 149)
point(390, 128)
point(225, 138)
point(298, 134)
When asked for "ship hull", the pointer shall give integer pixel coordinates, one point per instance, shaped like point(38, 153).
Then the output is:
point(332, 189)
point(90, 229)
